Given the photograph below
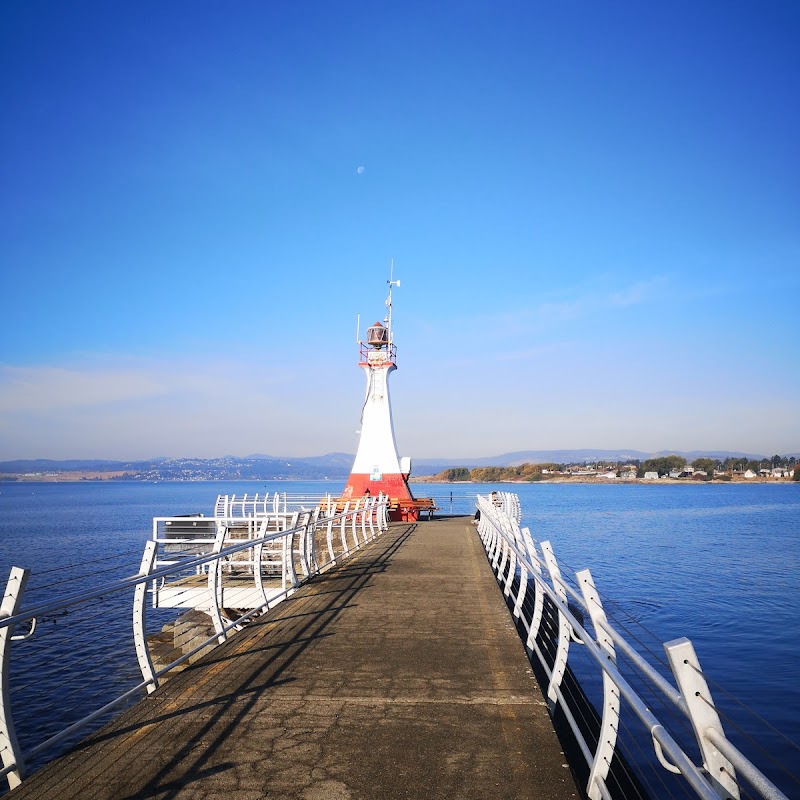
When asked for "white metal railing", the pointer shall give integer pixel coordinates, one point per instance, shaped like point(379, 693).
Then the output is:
point(531, 580)
point(216, 551)
point(254, 505)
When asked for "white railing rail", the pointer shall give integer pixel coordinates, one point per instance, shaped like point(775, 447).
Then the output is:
point(254, 505)
point(516, 560)
point(312, 542)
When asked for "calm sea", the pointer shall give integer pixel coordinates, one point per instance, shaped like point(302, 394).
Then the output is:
point(718, 564)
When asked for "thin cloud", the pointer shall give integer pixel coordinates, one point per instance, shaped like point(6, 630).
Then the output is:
point(136, 407)
point(534, 352)
point(576, 306)
point(43, 388)
point(47, 388)
point(638, 293)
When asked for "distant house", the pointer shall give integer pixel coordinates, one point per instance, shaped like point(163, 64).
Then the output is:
point(609, 475)
point(781, 472)
point(651, 476)
point(750, 474)
point(675, 473)
point(628, 474)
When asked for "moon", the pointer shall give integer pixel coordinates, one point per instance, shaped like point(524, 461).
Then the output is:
point(360, 170)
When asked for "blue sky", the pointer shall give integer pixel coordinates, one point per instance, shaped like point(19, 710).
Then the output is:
point(593, 208)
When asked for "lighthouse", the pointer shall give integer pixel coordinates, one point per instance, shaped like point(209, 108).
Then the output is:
point(377, 468)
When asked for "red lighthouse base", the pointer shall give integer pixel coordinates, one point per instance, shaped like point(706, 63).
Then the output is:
point(403, 507)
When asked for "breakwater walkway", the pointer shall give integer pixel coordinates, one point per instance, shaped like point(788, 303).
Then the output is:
point(396, 674)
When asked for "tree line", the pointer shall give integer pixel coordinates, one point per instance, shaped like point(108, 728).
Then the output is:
point(666, 464)
point(523, 472)
point(663, 465)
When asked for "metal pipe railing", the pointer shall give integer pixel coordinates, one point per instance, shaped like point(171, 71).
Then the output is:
point(296, 541)
point(508, 548)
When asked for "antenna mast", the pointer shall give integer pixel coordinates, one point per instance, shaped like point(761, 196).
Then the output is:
point(388, 318)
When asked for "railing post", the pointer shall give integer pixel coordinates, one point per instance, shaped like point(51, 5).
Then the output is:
point(343, 529)
point(496, 541)
point(364, 510)
point(501, 566)
point(331, 515)
point(499, 544)
point(372, 510)
point(609, 725)
point(139, 618)
point(382, 518)
point(156, 585)
point(485, 531)
point(312, 540)
point(538, 596)
point(512, 567)
point(288, 551)
point(353, 518)
point(258, 556)
point(702, 713)
point(564, 628)
point(522, 590)
point(215, 583)
point(302, 542)
point(9, 746)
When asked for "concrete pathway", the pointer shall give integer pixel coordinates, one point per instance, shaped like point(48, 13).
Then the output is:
point(398, 674)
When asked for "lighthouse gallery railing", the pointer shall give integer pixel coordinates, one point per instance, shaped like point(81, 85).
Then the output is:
point(522, 568)
point(305, 541)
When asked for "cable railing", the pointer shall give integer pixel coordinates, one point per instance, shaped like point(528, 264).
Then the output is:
point(205, 578)
point(622, 714)
point(455, 503)
point(643, 721)
point(253, 505)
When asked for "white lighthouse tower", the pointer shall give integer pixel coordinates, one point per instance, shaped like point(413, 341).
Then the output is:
point(377, 467)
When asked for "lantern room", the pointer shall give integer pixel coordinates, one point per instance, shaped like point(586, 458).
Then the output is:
point(377, 336)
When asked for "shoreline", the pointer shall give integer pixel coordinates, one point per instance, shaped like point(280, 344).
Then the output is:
point(421, 481)
point(615, 481)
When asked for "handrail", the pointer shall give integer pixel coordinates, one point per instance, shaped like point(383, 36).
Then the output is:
point(297, 541)
point(513, 555)
point(529, 576)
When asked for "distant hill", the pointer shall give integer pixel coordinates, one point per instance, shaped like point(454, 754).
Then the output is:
point(331, 466)
point(529, 457)
point(432, 466)
point(334, 466)
point(48, 465)
point(330, 461)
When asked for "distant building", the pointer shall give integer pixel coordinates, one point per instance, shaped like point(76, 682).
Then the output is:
point(651, 476)
point(750, 474)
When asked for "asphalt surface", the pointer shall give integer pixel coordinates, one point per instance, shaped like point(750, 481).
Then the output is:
point(398, 674)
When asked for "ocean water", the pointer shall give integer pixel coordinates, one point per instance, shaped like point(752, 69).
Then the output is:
point(718, 564)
